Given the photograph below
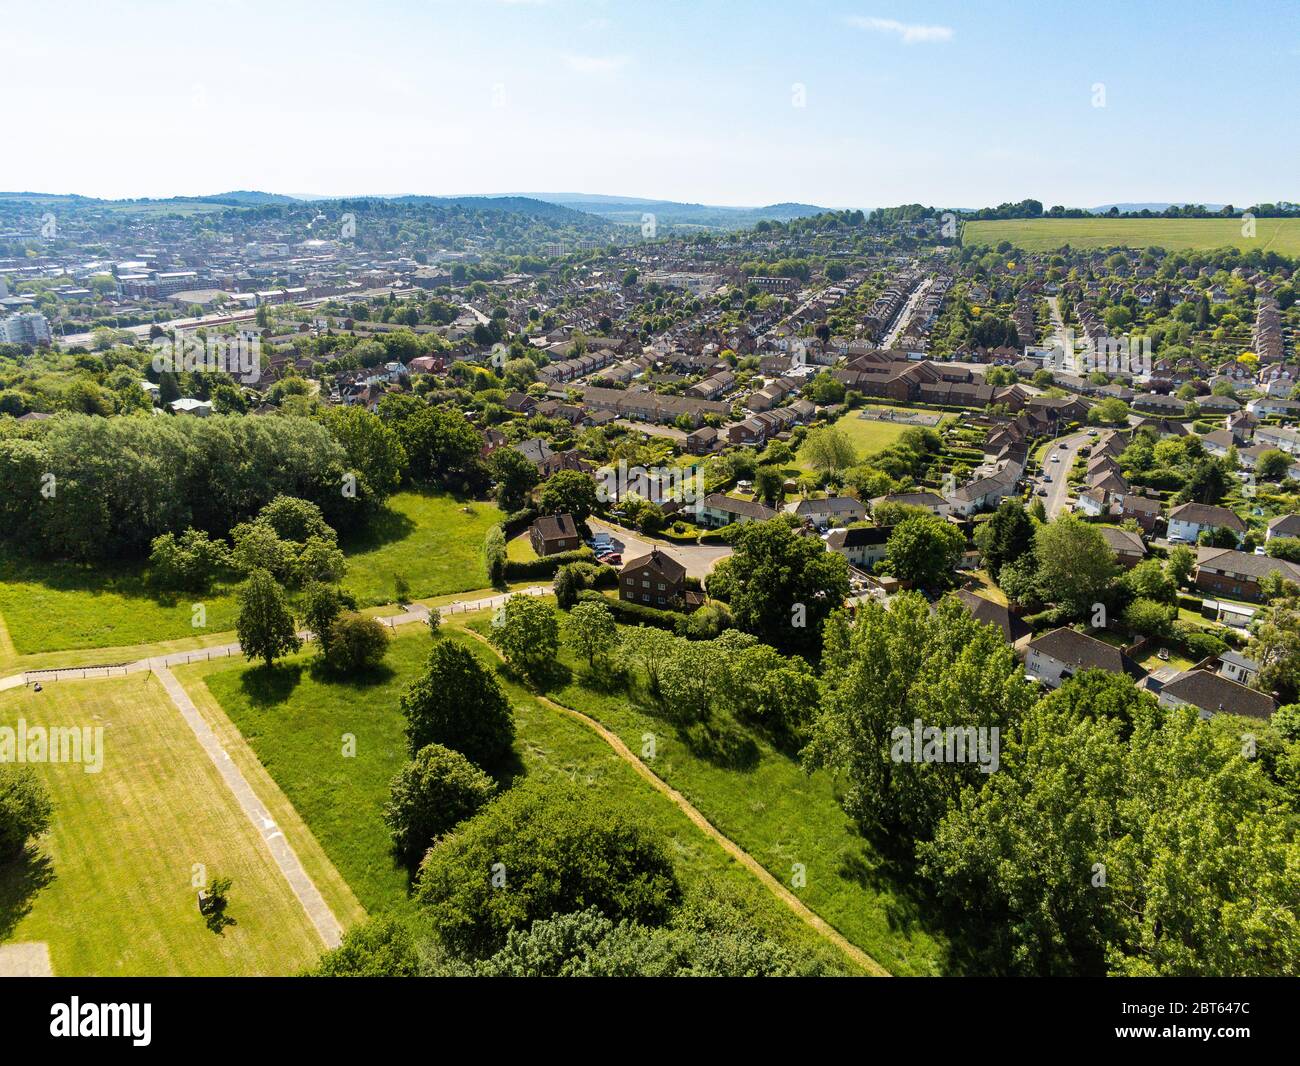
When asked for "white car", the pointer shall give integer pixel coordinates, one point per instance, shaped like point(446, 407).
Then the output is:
point(1056, 458)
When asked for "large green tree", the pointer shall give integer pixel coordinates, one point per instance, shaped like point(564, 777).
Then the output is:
point(925, 550)
point(265, 625)
point(458, 703)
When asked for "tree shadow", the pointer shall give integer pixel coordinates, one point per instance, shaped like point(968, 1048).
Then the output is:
point(544, 677)
point(721, 743)
point(320, 671)
point(21, 879)
point(268, 686)
point(384, 527)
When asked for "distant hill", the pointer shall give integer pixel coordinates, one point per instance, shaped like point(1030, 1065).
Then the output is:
point(628, 211)
point(519, 205)
point(243, 196)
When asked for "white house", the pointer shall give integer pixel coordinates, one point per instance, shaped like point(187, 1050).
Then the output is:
point(1057, 656)
point(1189, 520)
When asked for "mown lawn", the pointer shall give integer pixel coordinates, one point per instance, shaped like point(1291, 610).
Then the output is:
point(867, 435)
point(109, 888)
point(781, 816)
point(294, 720)
point(434, 541)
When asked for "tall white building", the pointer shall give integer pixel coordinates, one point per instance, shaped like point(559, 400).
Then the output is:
point(26, 327)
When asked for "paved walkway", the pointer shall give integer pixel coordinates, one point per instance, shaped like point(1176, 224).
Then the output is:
point(327, 925)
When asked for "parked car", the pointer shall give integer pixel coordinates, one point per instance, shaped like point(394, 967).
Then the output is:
point(613, 559)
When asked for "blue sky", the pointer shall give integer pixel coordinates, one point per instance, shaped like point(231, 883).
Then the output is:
point(717, 101)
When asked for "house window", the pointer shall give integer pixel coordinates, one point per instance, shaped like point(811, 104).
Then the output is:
point(662, 586)
point(631, 581)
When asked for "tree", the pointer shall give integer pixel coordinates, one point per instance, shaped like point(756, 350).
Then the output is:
point(1180, 564)
point(189, 562)
point(321, 605)
point(1097, 781)
point(265, 627)
point(778, 694)
point(515, 476)
point(649, 648)
point(1286, 548)
point(1148, 580)
point(925, 551)
point(783, 585)
point(829, 450)
point(495, 556)
point(567, 584)
point(1006, 536)
point(296, 519)
point(1275, 645)
point(536, 851)
point(591, 630)
point(25, 807)
point(374, 449)
point(569, 492)
point(459, 703)
point(1075, 564)
point(769, 485)
point(357, 643)
point(1272, 465)
point(432, 794)
point(1208, 482)
point(380, 947)
point(526, 632)
point(897, 665)
point(1150, 618)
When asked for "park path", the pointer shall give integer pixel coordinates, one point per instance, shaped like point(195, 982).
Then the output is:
point(327, 925)
point(800, 909)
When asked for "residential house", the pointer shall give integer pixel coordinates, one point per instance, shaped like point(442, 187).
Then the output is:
point(1189, 520)
point(1283, 525)
point(655, 580)
point(1014, 631)
point(862, 546)
point(1128, 547)
point(717, 510)
point(1236, 574)
point(929, 501)
point(1057, 656)
point(553, 534)
point(1213, 694)
point(838, 509)
point(1236, 667)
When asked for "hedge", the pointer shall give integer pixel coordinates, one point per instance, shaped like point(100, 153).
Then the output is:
point(518, 570)
point(514, 524)
point(629, 613)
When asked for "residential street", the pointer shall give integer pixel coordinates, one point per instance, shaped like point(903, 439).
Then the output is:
point(697, 558)
point(1058, 492)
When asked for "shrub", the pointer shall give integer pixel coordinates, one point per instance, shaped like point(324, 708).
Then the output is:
point(522, 569)
point(540, 850)
point(434, 792)
point(357, 643)
point(188, 562)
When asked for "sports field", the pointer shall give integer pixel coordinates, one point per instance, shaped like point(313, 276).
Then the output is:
point(1281, 235)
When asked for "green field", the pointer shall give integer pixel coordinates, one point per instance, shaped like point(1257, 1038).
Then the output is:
point(433, 540)
point(293, 721)
point(109, 888)
point(867, 435)
point(1281, 235)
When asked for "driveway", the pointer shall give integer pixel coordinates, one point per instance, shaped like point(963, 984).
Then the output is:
point(1058, 492)
point(697, 558)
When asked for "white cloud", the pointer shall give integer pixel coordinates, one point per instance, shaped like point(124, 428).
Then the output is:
point(595, 64)
point(907, 32)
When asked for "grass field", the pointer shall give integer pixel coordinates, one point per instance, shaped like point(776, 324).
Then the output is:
point(1281, 235)
point(293, 721)
point(432, 540)
point(867, 435)
point(110, 888)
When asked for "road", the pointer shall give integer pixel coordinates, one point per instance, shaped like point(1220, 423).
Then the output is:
point(905, 315)
point(1058, 492)
point(697, 558)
